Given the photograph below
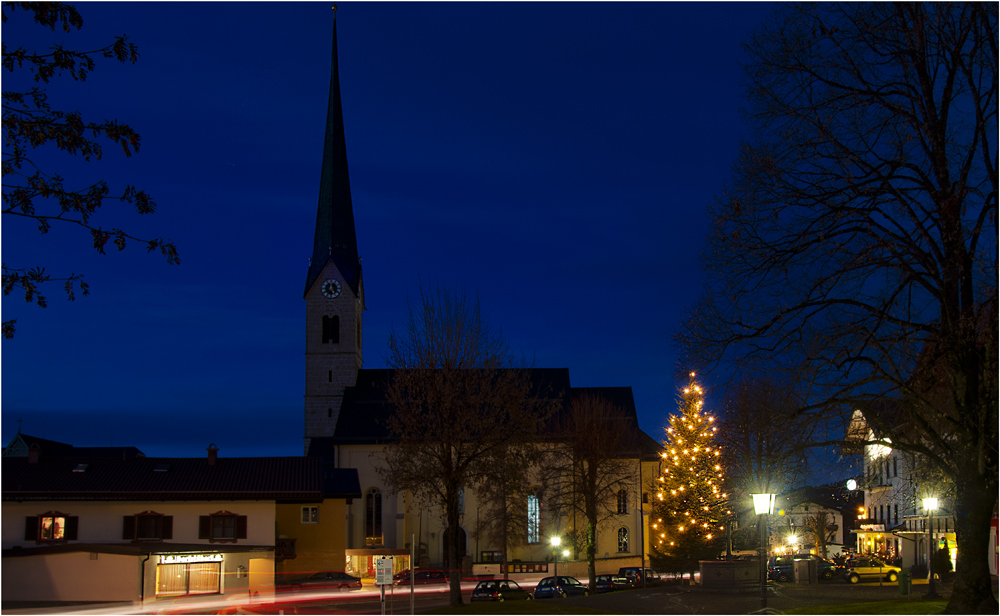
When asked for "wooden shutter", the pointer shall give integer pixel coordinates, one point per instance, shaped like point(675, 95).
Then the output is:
point(31, 528)
point(204, 527)
point(128, 527)
point(241, 527)
point(167, 527)
point(72, 524)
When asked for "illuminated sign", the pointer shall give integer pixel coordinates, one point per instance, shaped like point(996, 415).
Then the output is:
point(875, 528)
point(175, 559)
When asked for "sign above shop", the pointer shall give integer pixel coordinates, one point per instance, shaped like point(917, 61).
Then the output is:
point(176, 559)
point(876, 528)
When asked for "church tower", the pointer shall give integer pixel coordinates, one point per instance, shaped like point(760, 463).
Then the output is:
point(334, 293)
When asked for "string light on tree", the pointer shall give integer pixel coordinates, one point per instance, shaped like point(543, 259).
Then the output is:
point(691, 502)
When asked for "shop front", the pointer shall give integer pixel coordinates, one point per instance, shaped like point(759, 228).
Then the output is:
point(188, 574)
point(361, 562)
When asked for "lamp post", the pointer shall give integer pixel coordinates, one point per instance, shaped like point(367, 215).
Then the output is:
point(930, 504)
point(555, 541)
point(763, 504)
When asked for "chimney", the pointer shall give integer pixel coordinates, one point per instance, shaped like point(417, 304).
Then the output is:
point(213, 453)
point(34, 453)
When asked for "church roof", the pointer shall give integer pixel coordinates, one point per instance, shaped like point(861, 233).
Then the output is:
point(335, 239)
point(365, 411)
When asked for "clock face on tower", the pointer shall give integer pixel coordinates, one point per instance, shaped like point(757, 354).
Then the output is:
point(331, 288)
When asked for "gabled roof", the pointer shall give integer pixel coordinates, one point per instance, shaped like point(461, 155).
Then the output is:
point(167, 479)
point(335, 239)
point(21, 443)
point(365, 410)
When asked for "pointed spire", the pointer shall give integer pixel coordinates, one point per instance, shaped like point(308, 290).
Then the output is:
point(335, 238)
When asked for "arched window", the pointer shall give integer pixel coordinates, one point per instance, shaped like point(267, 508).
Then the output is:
point(535, 517)
point(622, 501)
point(623, 539)
point(373, 517)
point(331, 329)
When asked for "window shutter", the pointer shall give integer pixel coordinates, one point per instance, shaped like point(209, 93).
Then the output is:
point(241, 527)
point(204, 527)
point(72, 524)
point(31, 528)
point(167, 527)
point(128, 528)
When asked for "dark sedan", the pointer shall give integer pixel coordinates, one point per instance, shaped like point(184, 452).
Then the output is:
point(337, 580)
point(610, 582)
point(499, 590)
point(562, 586)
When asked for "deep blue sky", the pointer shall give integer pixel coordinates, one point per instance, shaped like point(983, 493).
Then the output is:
point(555, 158)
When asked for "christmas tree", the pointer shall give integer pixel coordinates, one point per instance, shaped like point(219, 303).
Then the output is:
point(691, 504)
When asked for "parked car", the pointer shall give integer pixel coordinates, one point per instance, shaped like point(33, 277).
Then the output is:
point(323, 579)
point(636, 574)
point(499, 590)
point(782, 568)
point(610, 582)
point(561, 586)
point(423, 576)
point(866, 568)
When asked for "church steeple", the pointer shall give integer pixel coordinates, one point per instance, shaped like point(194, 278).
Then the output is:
point(335, 238)
point(334, 295)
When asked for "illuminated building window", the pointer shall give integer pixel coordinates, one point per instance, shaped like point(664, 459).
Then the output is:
point(623, 539)
point(534, 517)
point(51, 526)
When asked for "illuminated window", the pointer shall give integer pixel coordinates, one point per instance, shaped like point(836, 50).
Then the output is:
point(331, 329)
point(623, 539)
point(622, 501)
point(51, 526)
point(534, 517)
point(147, 526)
point(373, 517)
point(310, 515)
point(222, 527)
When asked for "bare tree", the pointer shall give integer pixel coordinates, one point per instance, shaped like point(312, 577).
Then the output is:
point(762, 441)
point(821, 529)
point(503, 496)
point(593, 458)
point(458, 400)
point(860, 232)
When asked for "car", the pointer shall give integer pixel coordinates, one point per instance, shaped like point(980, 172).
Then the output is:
point(559, 586)
point(635, 576)
point(782, 568)
point(866, 568)
point(609, 582)
point(499, 590)
point(323, 579)
point(422, 576)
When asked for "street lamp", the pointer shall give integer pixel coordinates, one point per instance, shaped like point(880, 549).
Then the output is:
point(555, 541)
point(763, 504)
point(930, 504)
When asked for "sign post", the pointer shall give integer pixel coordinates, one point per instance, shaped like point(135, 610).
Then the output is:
point(383, 576)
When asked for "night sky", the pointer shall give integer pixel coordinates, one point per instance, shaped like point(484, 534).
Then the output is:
point(555, 159)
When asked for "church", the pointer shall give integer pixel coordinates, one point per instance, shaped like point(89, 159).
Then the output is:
point(346, 407)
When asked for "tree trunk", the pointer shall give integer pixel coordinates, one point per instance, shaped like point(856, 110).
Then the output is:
point(453, 531)
point(973, 590)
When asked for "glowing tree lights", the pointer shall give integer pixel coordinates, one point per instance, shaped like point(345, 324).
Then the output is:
point(690, 505)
